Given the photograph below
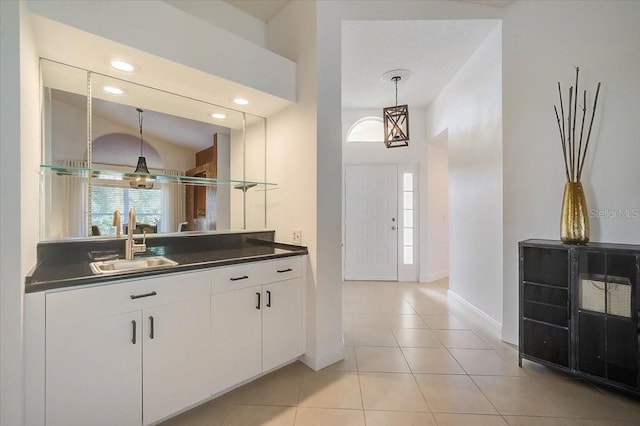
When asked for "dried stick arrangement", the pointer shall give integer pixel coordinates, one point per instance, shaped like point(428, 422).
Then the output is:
point(573, 150)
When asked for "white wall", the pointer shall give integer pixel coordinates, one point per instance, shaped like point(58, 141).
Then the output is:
point(469, 108)
point(293, 147)
point(19, 159)
point(411, 159)
point(225, 16)
point(435, 219)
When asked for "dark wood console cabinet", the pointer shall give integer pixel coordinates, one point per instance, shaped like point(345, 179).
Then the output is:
point(579, 309)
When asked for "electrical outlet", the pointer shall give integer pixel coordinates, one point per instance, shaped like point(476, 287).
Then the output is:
point(296, 236)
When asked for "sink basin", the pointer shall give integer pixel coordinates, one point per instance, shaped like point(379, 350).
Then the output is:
point(123, 265)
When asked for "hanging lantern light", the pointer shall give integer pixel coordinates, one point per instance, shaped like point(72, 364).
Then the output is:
point(396, 118)
point(138, 181)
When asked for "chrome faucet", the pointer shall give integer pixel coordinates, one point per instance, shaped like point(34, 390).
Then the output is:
point(116, 222)
point(131, 247)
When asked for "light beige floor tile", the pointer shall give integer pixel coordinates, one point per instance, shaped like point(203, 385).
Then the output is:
point(443, 322)
point(424, 306)
point(520, 396)
point(329, 417)
point(354, 320)
point(405, 321)
point(595, 422)
point(212, 413)
point(398, 418)
point(370, 336)
point(431, 360)
point(331, 389)
point(484, 362)
point(365, 307)
point(453, 394)
point(379, 359)
point(245, 415)
point(583, 400)
point(540, 421)
point(460, 339)
point(282, 387)
point(443, 419)
point(416, 338)
point(347, 364)
point(389, 391)
point(397, 308)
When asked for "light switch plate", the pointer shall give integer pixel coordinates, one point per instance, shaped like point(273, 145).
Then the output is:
point(296, 236)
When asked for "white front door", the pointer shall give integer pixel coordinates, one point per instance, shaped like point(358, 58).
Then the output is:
point(371, 222)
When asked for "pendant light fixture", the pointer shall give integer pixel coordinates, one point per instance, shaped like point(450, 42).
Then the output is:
point(138, 181)
point(396, 118)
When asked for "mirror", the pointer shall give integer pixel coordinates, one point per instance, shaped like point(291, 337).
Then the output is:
point(208, 173)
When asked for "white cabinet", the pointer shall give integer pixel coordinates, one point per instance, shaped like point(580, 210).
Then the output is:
point(257, 319)
point(237, 337)
point(134, 352)
point(93, 372)
point(127, 353)
point(282, 323)
point(176, 357)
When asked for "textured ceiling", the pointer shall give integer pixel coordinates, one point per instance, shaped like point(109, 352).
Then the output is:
point(261, 9)
point(432, 50)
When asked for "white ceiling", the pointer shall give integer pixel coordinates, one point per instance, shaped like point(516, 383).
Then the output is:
point(261, 9)
point(432, 50)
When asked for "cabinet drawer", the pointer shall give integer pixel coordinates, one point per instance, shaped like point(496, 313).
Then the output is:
point(235, 277)
point(125, 296)
point(548, 295)
point(546, 266)
point(282, 269)
point(546, 342)
point(548, 313)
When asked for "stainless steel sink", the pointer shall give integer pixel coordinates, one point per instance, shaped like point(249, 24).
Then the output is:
point(123, 265)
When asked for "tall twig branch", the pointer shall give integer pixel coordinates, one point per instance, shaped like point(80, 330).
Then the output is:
point(569, 141)
point(586, 145)
point(584, 113)
point(573, 126)
point(564, 147)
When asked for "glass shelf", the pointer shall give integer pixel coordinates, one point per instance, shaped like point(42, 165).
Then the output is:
point(81, 172)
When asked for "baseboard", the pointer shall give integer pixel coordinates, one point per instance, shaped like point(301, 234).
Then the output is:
point(476, 314)
point(433, 276)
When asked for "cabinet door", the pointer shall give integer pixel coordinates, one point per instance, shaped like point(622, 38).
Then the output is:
point(282, 322)
point(94, 372)
point(236, 336)
point(176, 357)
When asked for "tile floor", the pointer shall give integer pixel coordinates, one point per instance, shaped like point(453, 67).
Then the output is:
point(412, 358)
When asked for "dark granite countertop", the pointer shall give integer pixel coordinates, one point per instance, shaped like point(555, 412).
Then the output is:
point(66, 264)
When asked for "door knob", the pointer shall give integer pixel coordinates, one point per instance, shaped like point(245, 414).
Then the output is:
point(393, 228)
point(393, 219)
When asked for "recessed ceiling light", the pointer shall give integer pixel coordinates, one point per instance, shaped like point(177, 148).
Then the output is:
point(113, 90)
point(122, 65)
point(240, 101)
point(218, 115)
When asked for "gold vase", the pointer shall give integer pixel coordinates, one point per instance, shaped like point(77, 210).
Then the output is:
point(574, 223)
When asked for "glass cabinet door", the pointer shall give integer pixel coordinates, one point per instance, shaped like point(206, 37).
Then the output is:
point(607, 330)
